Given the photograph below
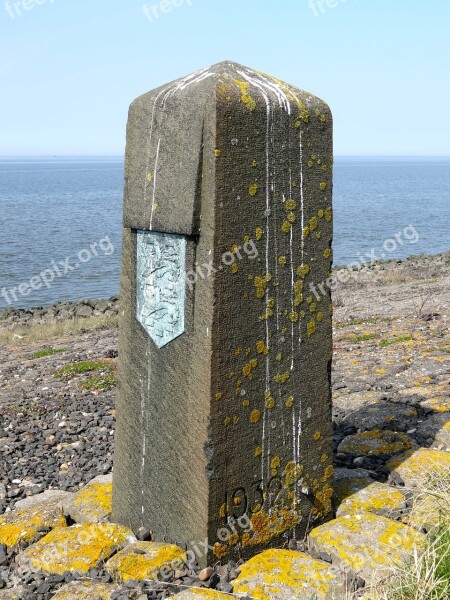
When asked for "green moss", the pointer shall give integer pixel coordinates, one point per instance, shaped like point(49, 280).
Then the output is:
point(102, 382)
point(362, 338)
point(48, 352)
point(73, 369)
point(386, 343)
point(364, 321)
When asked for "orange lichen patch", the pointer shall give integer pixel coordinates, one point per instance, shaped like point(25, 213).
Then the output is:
point(265, 526)
point(281, 574)
point(366, 544)
point(377, 498)
point(322, 501)
point(93, 504)
point(77, 549)
point(329, 472)
point(416, 466)
point(382, 443)
point(220, 550)
point(86, 590)
point(23, 525)
point(145, 560)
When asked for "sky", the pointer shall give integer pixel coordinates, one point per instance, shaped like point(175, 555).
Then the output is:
point(70, 68)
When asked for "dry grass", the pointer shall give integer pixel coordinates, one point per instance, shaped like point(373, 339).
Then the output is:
point(427, 575)
point(24, 334)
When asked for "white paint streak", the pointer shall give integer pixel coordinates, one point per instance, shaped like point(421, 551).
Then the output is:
point(155, 176)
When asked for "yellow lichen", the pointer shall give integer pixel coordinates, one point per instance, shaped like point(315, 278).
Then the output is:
point(255, 416)
point(145, 560)
point(253, 189)
point(245, 96)
point(281, 377)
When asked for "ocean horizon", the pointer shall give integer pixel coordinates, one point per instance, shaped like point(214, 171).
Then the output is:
point(62, 215)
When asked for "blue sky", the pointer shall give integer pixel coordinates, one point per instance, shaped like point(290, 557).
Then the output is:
point(70, 68)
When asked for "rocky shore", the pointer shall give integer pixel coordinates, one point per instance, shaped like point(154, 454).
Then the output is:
point(391, 396)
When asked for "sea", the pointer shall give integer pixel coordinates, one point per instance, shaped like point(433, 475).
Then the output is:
point(61, 217)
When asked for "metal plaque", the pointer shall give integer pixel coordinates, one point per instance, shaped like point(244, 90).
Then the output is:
point(161, 286)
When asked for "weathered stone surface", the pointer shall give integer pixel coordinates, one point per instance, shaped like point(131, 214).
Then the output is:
point(146, 560)
point(348, 482)
point(366, 545)
point(200, 594)
point(49, 496)
point(440, 404)
point(15, 593)
point(436, 429)
point(429, 511)
point(28, 525)
point(90, 505)
point(242, 437)
point(377, 498)
point(415, 467)
point(379, 443)
point(78, 548)
point(367, 411)
point(86, 590)
point(280, 574)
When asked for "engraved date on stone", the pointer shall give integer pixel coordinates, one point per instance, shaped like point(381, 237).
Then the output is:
point(257, 497)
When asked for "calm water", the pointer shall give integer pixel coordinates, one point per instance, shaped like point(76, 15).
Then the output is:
point(64, 215)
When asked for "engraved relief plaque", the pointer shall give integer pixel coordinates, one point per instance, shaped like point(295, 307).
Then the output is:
point(161, 285)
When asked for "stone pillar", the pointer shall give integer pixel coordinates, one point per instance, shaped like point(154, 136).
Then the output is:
point(224, 428)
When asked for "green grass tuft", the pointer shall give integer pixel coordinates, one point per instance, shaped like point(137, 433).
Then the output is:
point(70, 371)
point(386, 343)
point(48, 352)
point(102, 382)
point(362, 338)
